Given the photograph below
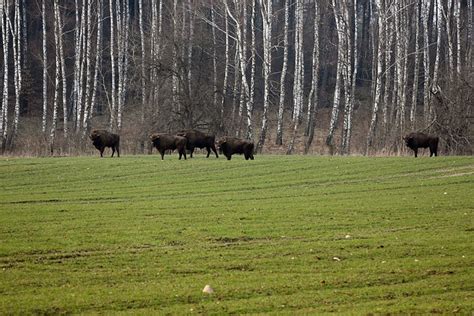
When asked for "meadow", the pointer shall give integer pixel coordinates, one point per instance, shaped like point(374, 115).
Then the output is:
point(278, 235)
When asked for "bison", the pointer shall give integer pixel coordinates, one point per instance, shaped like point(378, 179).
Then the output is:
point(197, 139)
point(102, 138)
point(421, 140)
point(164, 142)
point(229, 146)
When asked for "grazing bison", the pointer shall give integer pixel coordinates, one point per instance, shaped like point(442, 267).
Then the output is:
point(229, 146)
point(420, 140)
point(197, 139)
point(102, 138)
point(164, 142)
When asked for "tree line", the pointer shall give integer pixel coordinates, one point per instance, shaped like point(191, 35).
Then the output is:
point(273, 71)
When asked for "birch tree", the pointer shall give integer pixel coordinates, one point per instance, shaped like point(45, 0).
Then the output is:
point(45, 68)
point(426, 60)
point(340, 65)
point(5, 41)
point(313, 98)
point(15, 31)
point(63, 70)
point(416, 70)
point(57, 34)
point(281, 103)
point(298, 74)
point(379, 73)
point(95, 79)
point(266, 11)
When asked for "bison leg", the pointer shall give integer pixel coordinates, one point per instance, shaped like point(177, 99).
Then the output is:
point(118, 151)
point(113, 151)
point(416, 152)
point(214, 150)
point(191, 150)
point(102, 151)
point(162, 152)
point(208, 151)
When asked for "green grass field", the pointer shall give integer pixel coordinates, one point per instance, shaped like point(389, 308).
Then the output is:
point(280, 234)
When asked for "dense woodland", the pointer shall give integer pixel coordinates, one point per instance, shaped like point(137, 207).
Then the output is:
point(302, 76)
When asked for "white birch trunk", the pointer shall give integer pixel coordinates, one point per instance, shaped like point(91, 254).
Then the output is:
point(214, 57)
point(88, 114)
point(142, 45)
point(457, 19)
point(267, 16)
point(190, 45)
point(340, 65)
point(113, 97)
point(252, 69)
point(416, 71)
point(63, 73)
point(45, 68)
point(175, 57)
point(281, 104)
point(388, 26)
point(439, 26)
point(5, 42)
point(298, 75)
point(313, 99)
point(426, 60)
point(80, 83)
point(351, 73)
point(379, 75)
point(242, 30)
point(57, 30)
point(226, 70)
point(450, 32)
point(17, 52)
point(88, 66)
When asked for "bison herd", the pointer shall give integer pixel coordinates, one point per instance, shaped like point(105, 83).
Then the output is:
point(181, 141)
point(191, 139)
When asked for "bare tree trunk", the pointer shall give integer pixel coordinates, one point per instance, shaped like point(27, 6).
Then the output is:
point(243, 64)
point(267, 16)
point(450, 32)
point(113, 97)
point(5, 42)
point(80, 83)
point(281, 104)
point(63, 74)
point(57, 34)
point(299, 74)
point(457, 19)
point(416, 72)
point(251, 101)
point(17, 52)
point(379, 75)
point(214, 57)
point(88, 114)
point(226, 70)
point(175, 56)
point(190, 46)
point(389, 32)
point(340, 65)
point(313, 99)
point(88, 69)
point(45, 68)
point(426, 60)
point(351, 74)
point(439, 26)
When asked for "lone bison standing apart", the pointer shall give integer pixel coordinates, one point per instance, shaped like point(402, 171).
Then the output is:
point(164, 142)
point(102, 138)
point(229, 146)
point(197, 139)
point(417, 140)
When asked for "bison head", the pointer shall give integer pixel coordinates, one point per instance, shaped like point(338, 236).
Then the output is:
point(155, 139)
point(408, 140)
point(95, 134)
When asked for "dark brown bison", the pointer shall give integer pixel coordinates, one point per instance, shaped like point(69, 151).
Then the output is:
point(421, 140)
point(229, 146)
point(164, 142)
point(102, 138)
point(197, 139)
